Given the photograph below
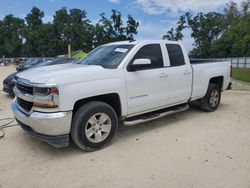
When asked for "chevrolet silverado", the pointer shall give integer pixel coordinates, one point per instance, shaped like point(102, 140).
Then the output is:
point(127, 82)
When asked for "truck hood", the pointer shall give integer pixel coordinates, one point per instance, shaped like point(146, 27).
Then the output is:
point(64, 73)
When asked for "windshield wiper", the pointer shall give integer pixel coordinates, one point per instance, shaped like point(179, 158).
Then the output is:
point(96, 64)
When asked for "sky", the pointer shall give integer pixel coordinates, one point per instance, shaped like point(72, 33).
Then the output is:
point(155, 17)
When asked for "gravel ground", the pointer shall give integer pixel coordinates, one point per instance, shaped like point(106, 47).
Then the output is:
point(240, 85)
point(189, 149)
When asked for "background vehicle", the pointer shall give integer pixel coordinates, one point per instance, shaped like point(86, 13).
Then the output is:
point(9, 83)
point(129, 82)
point(29, 63)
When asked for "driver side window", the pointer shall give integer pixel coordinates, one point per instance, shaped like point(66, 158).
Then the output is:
point(152, 52)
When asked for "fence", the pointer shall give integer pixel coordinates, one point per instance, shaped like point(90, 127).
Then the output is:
point(237, 62)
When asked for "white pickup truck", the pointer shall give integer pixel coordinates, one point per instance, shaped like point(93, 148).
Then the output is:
point(126, 82)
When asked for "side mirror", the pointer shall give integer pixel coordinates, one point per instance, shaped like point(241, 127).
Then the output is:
point(139, 64)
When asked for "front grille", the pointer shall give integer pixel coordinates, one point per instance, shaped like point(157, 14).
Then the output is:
point(26, 105)
point(24, 88)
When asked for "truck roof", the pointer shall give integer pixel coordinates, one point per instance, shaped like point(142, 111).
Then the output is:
point(135, 42)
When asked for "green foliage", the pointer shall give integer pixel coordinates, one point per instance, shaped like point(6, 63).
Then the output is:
point(241, 74)
point(206, 28)
point(131, 28)
point(73, 28)
point(224, 34)
point(176, 34)
point(109, 30)
point(34, 19)
point(32, 37)
point(10, 38)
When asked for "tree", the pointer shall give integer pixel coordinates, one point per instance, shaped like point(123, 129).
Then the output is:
point(206, 28)
point(81, 31)
point(31, 32)
point(33, 38)
point(176, 34)
point(117, 24)
point(217, 34)
point(10, 38)
point(73, 28)
point(113, 29)
point(34, 18)
point(131, 28)
point(235, 39)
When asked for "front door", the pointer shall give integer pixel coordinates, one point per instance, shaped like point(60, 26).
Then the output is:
point(146, 88)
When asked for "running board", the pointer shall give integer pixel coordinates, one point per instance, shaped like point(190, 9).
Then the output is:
point(154, 115)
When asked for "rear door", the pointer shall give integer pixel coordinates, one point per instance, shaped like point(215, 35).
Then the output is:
point(179, 75)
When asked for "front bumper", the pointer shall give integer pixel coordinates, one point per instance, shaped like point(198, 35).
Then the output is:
point(52, 128)
point(55, 141)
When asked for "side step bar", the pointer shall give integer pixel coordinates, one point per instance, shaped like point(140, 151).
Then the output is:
point(154, 115)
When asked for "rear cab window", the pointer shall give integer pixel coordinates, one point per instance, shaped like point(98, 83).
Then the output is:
point(175, 54)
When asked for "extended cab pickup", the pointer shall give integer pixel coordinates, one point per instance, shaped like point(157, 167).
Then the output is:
point(129, 82)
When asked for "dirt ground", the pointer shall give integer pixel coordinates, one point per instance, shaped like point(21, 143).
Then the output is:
point(189, 149)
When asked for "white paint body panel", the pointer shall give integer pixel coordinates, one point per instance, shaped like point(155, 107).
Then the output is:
point(202, 73)
point(140, 91)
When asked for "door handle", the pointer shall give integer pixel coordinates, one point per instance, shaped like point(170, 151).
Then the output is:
point(163, 75)
point(186, 72)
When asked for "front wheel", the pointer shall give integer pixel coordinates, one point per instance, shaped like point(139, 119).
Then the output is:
point(94, 125)
point(212, 98)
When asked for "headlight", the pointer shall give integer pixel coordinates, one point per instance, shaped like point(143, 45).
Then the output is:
point(46, 97)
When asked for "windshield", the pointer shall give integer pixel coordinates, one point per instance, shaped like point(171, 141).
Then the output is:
point(27, 62)
point(31, 62)
point(107, 56)
point(40, 64)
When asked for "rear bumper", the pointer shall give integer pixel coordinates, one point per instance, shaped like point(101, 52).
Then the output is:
point(229, 86)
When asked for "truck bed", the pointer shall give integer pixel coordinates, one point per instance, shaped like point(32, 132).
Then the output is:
point(200, 61)
point(205, 69)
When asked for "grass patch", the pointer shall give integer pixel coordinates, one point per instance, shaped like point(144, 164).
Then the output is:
point(241, 74)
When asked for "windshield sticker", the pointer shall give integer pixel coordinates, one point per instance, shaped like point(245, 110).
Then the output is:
point(122, 50)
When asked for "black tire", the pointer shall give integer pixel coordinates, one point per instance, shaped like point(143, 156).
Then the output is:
point(81, 120)
point(206, 104)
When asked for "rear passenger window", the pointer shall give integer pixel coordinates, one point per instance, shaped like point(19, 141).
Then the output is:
point(175, 54)
point(152, 52)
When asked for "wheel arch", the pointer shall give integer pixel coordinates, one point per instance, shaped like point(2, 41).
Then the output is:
point(112, 99)
point(217, 80)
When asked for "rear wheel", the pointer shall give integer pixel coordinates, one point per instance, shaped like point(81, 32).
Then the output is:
point(94, 125)
point(212, 98)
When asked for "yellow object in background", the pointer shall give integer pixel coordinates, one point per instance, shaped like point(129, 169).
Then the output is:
point(69, 51)
point(80, 54)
